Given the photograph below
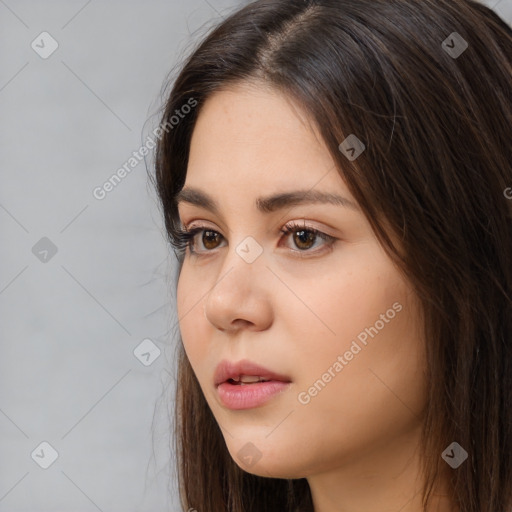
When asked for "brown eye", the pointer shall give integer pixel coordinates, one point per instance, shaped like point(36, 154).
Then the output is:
point(209, 238)
point(304, 239)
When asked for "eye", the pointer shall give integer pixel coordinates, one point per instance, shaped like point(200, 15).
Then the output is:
point(209, 238)
point(184, 239)
point(304, 239)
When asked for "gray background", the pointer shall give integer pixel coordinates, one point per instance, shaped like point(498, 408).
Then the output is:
point(70, 323)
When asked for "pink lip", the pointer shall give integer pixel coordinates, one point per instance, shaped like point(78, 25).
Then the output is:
point(236, 396)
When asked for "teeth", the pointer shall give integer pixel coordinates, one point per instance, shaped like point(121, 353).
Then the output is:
point(248, 379)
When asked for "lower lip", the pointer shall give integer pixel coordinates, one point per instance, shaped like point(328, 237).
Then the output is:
point(236, 396)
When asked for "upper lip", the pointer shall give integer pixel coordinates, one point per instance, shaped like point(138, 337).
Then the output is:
point(229, 370)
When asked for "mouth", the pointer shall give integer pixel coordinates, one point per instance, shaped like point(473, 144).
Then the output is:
point(245, 385)
point(245, 372)
point(244, 380)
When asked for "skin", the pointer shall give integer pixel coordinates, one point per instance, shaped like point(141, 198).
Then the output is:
point(356, 441)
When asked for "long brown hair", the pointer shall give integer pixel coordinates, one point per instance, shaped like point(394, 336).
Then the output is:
point(435, 116)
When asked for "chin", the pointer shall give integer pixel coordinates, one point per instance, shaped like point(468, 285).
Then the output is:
point(264, 460)
point(271, 470)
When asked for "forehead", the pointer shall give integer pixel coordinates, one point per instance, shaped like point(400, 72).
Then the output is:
point(246, 117)
point(250, 134)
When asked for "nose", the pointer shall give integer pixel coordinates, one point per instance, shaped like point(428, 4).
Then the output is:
point(240, 297)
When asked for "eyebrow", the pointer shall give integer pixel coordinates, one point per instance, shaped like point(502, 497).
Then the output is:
point(267, 204)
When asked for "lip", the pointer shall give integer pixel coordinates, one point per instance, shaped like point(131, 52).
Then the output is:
point(236, 396)
point(227, 370)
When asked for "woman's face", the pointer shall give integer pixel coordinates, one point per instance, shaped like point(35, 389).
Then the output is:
point(334, 319)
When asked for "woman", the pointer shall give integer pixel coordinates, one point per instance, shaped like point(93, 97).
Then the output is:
point(334, 177)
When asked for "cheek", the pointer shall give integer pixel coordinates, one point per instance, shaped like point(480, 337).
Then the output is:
point(379, 394)
point(195, 329)
point(383, 377)
point(369, 316)
point(345, 301)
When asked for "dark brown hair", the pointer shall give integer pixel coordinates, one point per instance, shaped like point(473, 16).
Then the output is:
point(437, 129)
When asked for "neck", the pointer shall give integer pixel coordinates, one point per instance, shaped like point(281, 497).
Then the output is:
point(386, 479)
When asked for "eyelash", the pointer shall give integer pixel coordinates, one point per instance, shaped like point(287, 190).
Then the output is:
point(184, 239)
